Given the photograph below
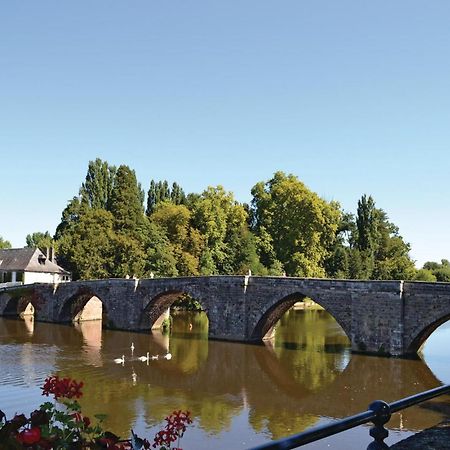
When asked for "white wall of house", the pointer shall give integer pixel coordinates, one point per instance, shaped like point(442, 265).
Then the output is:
point(42, 277)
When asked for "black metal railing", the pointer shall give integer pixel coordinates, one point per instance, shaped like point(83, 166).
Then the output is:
point(379, 413)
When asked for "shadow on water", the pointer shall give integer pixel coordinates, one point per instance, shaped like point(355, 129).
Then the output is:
point(306, 374)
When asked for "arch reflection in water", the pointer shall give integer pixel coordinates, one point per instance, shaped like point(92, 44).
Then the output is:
point(92, 341)
point(28, 320)
point(237, 393)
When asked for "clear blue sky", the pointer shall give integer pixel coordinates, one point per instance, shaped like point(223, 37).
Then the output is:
point(352, 97)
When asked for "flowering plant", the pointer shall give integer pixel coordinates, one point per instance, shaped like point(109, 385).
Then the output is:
point(173, 431)
point(51, 427)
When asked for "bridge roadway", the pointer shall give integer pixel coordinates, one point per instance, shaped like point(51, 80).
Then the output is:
point(383, 317)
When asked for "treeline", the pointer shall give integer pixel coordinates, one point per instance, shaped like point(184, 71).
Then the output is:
point(113, 228)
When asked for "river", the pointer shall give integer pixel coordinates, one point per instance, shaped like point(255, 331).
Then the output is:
point(239, 395)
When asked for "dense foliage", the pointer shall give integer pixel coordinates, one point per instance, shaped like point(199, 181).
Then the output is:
point(112, 229)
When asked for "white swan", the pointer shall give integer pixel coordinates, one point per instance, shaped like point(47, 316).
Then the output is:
point(155, 356)
point(168, 356)
point(132, 347)
point(144, 358)
point(120, 360)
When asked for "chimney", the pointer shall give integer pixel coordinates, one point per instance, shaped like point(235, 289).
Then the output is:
point(52, 254)
point(46, 252)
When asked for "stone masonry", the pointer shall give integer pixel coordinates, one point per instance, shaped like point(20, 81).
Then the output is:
point(382, 317)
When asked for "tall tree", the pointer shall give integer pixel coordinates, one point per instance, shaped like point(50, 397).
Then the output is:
point(160, 192)
point(380, 251)
point(366, 223)
point(299, 225)
point(392, 260)
point(126, 202)
point(177, 195)
point(97, 188)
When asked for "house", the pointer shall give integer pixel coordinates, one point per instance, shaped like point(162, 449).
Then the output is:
point(30, 265)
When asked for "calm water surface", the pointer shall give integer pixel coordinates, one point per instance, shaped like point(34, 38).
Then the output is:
point(240, 395)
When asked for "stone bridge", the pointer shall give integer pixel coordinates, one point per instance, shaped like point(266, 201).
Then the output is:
point(382, 317)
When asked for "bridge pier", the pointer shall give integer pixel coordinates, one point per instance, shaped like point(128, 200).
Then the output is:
point(377, 319)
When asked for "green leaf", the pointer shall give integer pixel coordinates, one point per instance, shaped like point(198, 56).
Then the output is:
point(101, 417)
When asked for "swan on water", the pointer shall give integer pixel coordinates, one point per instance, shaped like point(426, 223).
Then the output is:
point(155, 356)
point(132, 347)
point(168, 356)
point(120, 360)
point(144, 358)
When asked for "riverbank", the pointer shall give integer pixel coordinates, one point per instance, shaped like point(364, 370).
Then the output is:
point(435, 438)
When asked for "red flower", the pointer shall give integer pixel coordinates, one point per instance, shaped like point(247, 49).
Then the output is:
point(174, 429)
point(29, 436)
point(62, 387)
point(77, 417)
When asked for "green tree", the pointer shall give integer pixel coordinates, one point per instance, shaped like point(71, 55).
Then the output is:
point(432, 265)
point(425, 275)
point(337, 264)
point(70, 216)
point(378, 252)
point(41, 240)
point(97, 188)
point(223, 223)
point(126, 202)
point(174, 220)
point(441, 271)
point(128, 257)
point(177, 195)
point(87, 247)
point(243, 254)
point(4, 243)
point(302, 226)
point(366, 223)
point(266, 252)
point(442, 274)
point(392, 260)
point(160, 192)
point(158, 252)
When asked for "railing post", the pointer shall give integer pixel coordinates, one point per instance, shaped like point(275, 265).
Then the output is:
point(378, 432)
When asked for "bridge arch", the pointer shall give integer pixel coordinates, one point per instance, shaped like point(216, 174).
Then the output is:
point(158, 305)
point(21, 302)
point(263, 326)
point(73, 307)
point(419, 338)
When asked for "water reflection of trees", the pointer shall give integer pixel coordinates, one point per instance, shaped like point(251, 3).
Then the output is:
point(190, 329)
point(319, 343)
point(285, 389)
